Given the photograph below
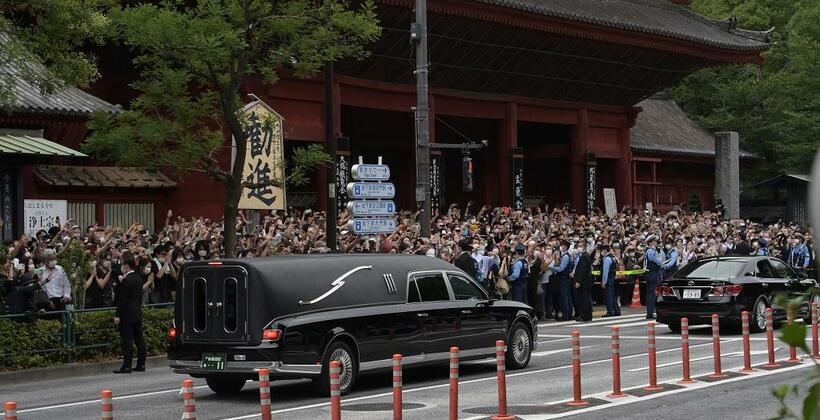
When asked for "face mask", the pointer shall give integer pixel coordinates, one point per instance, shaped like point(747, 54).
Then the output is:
point(51, 264)
point(202, 252)
point(147, 269)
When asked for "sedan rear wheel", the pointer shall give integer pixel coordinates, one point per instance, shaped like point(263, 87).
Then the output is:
point(519, 348)
point(758, 321)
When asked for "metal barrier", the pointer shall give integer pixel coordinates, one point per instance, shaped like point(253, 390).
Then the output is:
point(69, 319)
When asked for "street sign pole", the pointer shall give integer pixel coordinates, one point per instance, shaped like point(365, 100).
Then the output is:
point(422, 118)
point(371, 200)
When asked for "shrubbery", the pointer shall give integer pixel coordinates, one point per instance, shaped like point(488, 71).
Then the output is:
point(95, 337)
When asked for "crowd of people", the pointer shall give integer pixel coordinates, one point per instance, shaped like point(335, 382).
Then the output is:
point(547, 258)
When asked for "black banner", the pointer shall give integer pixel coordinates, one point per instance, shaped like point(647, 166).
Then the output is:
point(518, 179)
point(436, 193)
point(591, 187)
point(7, 193)
point(342, 171)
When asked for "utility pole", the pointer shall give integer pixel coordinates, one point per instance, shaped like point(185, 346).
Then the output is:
point(418, 35)
point(330, 169)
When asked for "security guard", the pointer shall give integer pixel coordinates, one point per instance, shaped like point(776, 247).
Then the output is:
point(799, 255)
point(562, 270)
point(608, 271)
point(519, 276)
point(670, 265)
point(654, 267)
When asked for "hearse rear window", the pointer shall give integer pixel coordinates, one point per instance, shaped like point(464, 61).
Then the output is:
point(412, 292)
point(432, 287)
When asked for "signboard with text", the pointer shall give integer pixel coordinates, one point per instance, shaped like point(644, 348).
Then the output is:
point(372, 208)
point(371, 190)
point(609, 202)
point(372, 226)
point(263, 173)
point(362, 172)
point(43, 214)
point(370, 199)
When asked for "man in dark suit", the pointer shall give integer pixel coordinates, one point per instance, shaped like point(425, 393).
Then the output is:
point(582, 281)
point(129, 315)
point(465, 261)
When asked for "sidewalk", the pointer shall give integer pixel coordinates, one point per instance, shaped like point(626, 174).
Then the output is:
point(71, 370)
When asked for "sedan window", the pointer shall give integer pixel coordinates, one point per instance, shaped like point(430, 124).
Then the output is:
point(464, 289)
point(432, 287)
point(710, 269)
point(781, 270)
point(764, 270)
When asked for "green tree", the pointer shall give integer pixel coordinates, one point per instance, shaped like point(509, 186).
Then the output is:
point(41, 42)
point(774, 107)
point(193, 58)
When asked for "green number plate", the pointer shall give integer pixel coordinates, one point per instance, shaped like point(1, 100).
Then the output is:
point(211, 361)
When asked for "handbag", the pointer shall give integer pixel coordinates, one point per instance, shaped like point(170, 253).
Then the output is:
point(502, 286)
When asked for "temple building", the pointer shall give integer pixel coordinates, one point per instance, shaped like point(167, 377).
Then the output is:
point(552, 89)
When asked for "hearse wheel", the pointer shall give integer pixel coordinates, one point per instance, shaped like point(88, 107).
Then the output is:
point(519, 347)
point(340, 351)
point(225, 385)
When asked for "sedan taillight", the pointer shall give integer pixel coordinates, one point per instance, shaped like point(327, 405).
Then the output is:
point(665, 291)
point(271, 334)
point(732, 290)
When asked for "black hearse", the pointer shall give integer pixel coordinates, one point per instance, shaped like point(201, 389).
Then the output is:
point(293, 314)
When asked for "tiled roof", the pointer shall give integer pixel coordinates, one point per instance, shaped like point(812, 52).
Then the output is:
point(656, 17)
point(34, 146)
point(664, 128)
point(69, 100)
point(101, 176)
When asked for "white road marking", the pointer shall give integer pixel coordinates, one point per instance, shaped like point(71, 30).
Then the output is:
point(609, 321)
point(685, 388)
point(549, 352)
point(641, 337)
point(553, 341)
point(97, 401)
point(600, 321)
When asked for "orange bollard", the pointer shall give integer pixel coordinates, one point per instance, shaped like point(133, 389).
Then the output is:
point(453, 383)
point(397, 404)
point(106, 405)
point(716, 347)
point(792, 349)
point(500, 368)
point(189, 403)
point(576, 371)
point(747, 348)
point(10, 408)
point(770, 339)
point(264, 393)
point(653, 369)
point(335, 369)
point(815, 352)
point(684, 349)
point(636, 296)
point(616, 364)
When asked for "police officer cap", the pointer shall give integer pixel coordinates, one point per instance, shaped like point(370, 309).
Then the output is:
point(798, 235)
point(616, 245)
point(520, 249)
point(651, 239)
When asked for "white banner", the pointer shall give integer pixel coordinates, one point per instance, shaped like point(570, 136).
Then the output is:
point(609, 201)
point(264, 158)
point(43, 214)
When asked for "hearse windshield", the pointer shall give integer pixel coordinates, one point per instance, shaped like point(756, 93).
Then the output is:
point(710, 269)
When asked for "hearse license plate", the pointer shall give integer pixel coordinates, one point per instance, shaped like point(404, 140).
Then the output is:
point(691, 293)
point(211, 361)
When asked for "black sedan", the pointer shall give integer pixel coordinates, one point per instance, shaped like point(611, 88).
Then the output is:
point(729, 285)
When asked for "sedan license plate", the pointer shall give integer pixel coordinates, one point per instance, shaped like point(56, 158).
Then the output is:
point(691, 293)
point(213, 361)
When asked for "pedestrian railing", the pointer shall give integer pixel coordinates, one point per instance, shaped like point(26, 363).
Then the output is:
point(67, 336)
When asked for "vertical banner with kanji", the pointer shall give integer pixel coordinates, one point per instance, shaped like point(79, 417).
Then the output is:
point(43, 214)
point(263, 173)
point(435, 182)
point(518, 178)
point(591, 188)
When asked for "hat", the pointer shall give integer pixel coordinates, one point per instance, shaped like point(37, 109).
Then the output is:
point(520, 249)
point(651, 238)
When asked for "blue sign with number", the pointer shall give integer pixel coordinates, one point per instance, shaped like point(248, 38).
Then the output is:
point(364, 190)
point(372, 226)
point(362, 172)
point(372, 208)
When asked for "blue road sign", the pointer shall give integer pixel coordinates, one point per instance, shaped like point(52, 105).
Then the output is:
point(363, 172)
point(372, 226)
point(372, 208)
point(371, 190)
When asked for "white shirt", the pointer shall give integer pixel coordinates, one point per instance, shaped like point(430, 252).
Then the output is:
point(57, 285)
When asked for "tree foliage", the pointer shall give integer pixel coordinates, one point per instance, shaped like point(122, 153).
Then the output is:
point(774, 107)
point(41, 42)
point(193, 58)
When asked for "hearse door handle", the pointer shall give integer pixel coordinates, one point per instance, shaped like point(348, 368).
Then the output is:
point(422, 314)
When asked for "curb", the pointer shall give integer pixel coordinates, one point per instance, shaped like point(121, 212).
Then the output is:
point(72, 370)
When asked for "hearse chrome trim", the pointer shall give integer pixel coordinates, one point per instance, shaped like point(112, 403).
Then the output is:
point(337, 284)
point(193, 366)
point(427, 357)
point(390, 283)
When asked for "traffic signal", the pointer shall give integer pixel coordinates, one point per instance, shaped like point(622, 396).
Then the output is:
point(467, 174)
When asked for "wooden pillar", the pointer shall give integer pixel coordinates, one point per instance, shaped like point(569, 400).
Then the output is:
point(578, 160)
point(322, 178)
point(508, 139)
point(623, 170)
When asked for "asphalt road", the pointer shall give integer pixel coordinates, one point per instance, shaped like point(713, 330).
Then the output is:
point(537, 392)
